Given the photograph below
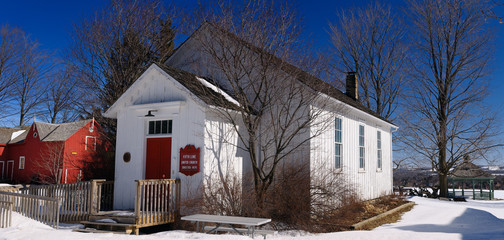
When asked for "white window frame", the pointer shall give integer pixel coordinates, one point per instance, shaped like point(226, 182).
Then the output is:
point(86, 143)
point(338, 164)
point(12, 168)
point(22, 162)
point(379, 142)
point(3, 167)
point(362, 148)
point(160, 134)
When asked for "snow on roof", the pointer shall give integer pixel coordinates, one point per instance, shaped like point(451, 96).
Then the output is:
point(218, 90)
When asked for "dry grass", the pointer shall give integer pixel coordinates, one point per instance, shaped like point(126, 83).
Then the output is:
point(290, 203)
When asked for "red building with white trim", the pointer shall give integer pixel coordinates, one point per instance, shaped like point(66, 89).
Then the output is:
point(50, 153)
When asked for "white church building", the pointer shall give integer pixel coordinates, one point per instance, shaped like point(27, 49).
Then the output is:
point(167, 124)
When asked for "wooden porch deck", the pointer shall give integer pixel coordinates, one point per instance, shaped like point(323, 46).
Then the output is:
point(157, 202)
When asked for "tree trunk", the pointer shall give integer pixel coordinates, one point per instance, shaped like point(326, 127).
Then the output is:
point(443, 185)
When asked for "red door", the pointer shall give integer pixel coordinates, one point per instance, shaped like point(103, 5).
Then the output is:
point(158, 160)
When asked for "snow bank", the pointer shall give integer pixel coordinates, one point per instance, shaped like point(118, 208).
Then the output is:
point(429, 219)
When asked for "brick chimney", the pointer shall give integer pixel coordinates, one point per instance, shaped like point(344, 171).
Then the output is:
point(352, 86)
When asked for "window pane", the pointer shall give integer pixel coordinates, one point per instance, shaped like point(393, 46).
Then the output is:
point(379, 158)
point(337, 124)
point(337, 136)
point(361, 157)
point(158, 127)
point(170, 126)
point(164, 126)
point(361, 135)
point(337, 155)
point(151, 127)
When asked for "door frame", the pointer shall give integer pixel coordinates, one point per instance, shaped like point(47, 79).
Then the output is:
point(12, 169)
point(159, 117)
point(2, 172)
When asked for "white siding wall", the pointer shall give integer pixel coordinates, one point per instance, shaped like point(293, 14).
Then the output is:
point(162, 94)
point(371, 182)
point(223, 159)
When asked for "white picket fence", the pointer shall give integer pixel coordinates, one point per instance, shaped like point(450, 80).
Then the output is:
point(51, 204)
point(42, 209)
point(5, 214)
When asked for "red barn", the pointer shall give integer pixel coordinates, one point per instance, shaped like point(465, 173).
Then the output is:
point(50, 153)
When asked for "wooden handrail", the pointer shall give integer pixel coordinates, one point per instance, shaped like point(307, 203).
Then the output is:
point(157, 201)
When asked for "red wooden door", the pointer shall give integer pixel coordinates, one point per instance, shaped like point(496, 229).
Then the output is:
point(158, 160)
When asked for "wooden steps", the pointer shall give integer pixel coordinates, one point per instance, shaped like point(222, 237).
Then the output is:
point(124, 228)
point(92, 230)
point(117, 216)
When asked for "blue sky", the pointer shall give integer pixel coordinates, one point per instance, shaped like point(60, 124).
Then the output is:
point(50, 22)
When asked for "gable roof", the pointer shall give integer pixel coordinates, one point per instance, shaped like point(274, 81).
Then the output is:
point(187, 80)
point(302, 76)
point(48, 132)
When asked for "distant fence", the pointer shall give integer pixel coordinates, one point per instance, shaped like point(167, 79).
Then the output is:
point(42, 209)
point(157, 201)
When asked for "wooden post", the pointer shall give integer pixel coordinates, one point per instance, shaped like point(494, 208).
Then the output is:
point(137, 202)
point(94, 200)
point(474, 192)
point(463, 186)
point(453, 187)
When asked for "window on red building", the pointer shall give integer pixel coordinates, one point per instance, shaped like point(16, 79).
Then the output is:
point(21, 162)
point(90, 143)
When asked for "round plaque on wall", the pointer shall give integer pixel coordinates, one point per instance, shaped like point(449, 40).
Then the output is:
point(127, 157)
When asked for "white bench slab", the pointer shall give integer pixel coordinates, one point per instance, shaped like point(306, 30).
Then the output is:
point(242, 230)
point(248, 222)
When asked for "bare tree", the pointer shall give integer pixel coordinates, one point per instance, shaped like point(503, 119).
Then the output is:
point(112, 48)
point(277, 108)
point(371, 42)
point(62, 97)
point(495, 10)
point(32, 67)
point(50, 167)
point(9, 47)
point(447, 118)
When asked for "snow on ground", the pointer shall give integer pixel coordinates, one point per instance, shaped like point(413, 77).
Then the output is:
point(429, 219)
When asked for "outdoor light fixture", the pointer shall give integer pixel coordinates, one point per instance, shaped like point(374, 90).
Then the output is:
point(150, 113)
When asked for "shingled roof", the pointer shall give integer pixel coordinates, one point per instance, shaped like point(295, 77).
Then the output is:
point(6, 133)
point(54, 132)
point(309, 80)
point(190, 81)
point(470, 170)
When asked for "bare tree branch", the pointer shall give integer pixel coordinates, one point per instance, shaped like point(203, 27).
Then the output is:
point(9, 49)
point(32, 68)
point(278, 111)
point(448, 119)
point(371, 42)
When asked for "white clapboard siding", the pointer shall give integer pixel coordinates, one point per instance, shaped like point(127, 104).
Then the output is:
point(370, 182)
